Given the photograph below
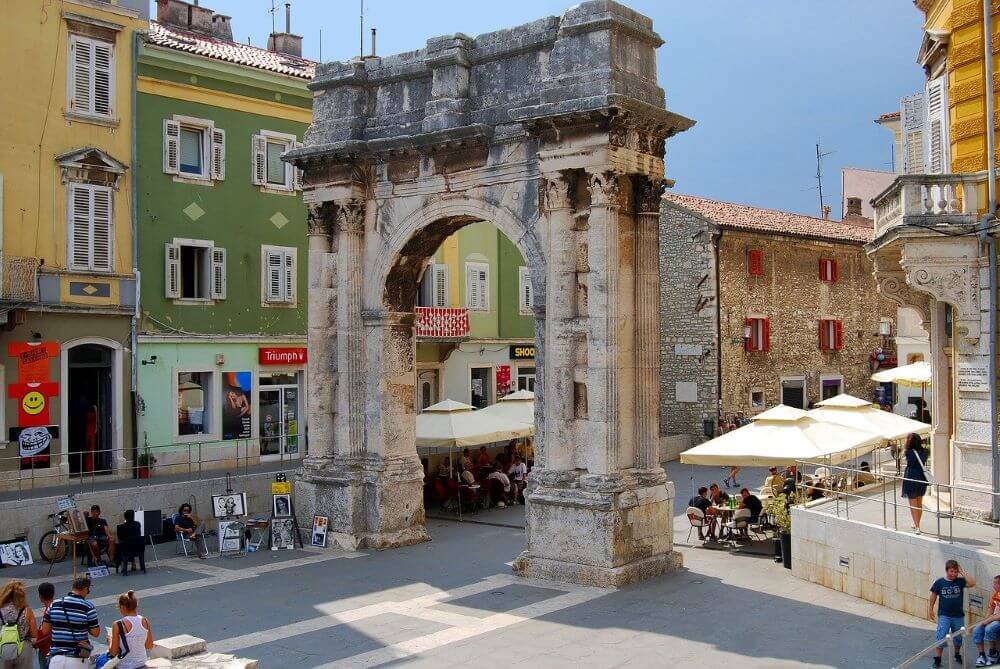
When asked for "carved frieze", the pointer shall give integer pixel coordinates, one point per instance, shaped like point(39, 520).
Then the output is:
point(605, 190)
point(557, 192)
point(351, 216)
point(320, 219)
point(648, 195)
point(951, 279)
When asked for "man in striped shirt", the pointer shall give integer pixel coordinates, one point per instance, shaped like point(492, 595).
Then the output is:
point(69, 620)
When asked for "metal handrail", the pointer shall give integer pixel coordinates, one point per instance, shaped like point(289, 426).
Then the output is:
point(890, 481)
point(966, 634)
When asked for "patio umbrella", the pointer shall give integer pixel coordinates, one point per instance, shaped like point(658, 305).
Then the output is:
point(519, 406)
point(780, 437)
point(916, 375)
point(858, 413)
point(454, 424)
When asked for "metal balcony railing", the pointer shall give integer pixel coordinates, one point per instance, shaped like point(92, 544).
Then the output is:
point(18, 280)
point(442, 322)
point(928, 200)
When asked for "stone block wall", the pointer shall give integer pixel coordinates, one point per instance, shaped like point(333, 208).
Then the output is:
point(688, 322)
point(894, 569)
point(791, 296)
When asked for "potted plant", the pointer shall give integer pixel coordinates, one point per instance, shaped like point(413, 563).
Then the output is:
point(144, 464)
point(779, 511)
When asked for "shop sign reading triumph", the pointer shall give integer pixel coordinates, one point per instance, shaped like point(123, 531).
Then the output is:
point(522, 352)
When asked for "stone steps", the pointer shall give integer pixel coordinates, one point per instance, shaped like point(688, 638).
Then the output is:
point(189, 652)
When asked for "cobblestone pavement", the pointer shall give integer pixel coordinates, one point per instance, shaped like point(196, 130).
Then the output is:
point(454, 601)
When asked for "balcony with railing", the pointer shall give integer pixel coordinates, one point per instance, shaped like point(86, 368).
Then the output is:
point(18, 281)
point(928, 201)
point(442, 322)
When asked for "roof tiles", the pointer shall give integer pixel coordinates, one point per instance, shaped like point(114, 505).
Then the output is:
point(755, 219)
point(231, 52)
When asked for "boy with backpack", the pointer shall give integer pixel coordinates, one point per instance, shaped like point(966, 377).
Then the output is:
point(948, 593)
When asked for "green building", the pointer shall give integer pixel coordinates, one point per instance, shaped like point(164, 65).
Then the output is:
point(475, 328)
point(221, 243)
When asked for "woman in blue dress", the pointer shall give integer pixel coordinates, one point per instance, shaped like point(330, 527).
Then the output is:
point(915, 483)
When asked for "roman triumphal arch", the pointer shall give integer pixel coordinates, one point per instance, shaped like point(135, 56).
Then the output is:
point(554, 132)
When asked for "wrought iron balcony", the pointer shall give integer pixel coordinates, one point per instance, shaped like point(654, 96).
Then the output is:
point(442, 322)
point(18, 280)
point(928, 201)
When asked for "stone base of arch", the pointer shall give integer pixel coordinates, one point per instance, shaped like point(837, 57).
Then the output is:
point(371, 502)
point(604, 531)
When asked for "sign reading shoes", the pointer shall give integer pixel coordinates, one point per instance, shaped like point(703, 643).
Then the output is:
point(282, 356)
point(522, 352)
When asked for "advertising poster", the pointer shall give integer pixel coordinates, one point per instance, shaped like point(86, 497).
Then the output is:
point(237, 411)
point(34, 444)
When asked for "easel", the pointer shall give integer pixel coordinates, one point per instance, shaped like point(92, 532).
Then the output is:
point(281, 486)
point(72, 538)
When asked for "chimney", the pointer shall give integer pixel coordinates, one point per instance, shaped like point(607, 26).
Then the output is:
point(184, 15)
point(286, 42)
point(826, 211)
point(222, 27)
point(854, 206)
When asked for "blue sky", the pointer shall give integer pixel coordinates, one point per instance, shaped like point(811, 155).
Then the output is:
point(765, 79)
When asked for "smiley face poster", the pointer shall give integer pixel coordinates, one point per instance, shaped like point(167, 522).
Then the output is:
point(33, 400)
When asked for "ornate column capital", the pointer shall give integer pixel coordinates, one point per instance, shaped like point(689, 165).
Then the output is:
point(648, 195)
point(351, 216)
point(951, 276)
point(319, 219)
point(557, 191)
point(891, 281)
point(605, 190)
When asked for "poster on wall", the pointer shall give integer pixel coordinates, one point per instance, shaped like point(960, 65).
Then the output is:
point(34, 445)
point(34, 359)
point(237, 410)
point(503, 380)
point(33, 401)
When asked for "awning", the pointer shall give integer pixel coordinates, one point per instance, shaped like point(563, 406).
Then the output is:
point(454, 424)
point(916, 375)
point(857, 413)
point(519, 406)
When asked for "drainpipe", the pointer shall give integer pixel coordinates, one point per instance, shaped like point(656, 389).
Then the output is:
point(134, 321)
point(985, 236)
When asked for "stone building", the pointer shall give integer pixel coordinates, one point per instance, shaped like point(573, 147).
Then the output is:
point(760, 307)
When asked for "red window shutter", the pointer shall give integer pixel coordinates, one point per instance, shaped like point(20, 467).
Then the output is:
point(833, 270)
point(766, 329)
point(822, 274)
point(748, 341)
point(755, 262)
point(822, 335)
point(838, 332)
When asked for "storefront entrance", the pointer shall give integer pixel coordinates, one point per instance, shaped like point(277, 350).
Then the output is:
point(91, 409)
point(279, 416)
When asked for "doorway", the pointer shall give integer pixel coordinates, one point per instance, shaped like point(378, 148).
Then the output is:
point(91, 409)
point(793, 392)
point(279, 416)
point(427, 388)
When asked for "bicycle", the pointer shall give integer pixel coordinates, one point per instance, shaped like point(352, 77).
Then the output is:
point(49, 546)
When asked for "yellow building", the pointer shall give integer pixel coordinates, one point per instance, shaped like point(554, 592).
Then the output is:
point(68, 288)
point(930, 251)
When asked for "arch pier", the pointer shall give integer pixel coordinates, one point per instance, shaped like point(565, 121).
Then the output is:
point(554, 132)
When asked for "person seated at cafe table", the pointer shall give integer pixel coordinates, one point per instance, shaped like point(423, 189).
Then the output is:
point(702, 503)
point(773, 482)
point(499, 486)
point(717, 496)
point(864, 476)
point(518, 474)
point(751, 502)
point(482, 458)
point(466, 459)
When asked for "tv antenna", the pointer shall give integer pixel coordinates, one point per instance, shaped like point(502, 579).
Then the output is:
point(819, 179)
point(272, 11)
point(361, 52)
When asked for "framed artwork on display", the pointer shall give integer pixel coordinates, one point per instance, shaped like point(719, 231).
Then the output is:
point(282, 534)
point(320, 524)
point(282, 505)
point(77, 520)
point(230, 504)
point(15, 554)
point(230, 536)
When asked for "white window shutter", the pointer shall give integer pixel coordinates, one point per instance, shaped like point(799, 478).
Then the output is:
point(477, 286)
point(525, 298)
point(172, 273)
point(259, 167)
point(81, 74)
point(289, 259)
point(297, 174)
point(936, 131)
point(471, 288)
point(913, 118)
point(273, 263)
point(218, 274)
point(218, 154)
point(80, 217)
point(439, 287)
point(104, 79)
point(171, 146)
point(101, 237)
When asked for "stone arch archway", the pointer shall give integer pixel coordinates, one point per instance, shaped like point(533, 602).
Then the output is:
point(407, 149)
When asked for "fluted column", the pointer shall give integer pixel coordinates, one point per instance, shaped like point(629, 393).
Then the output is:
point(350, 435)
point(560, 296)
point(647, 322)
point(603, 310)
point(322, 364)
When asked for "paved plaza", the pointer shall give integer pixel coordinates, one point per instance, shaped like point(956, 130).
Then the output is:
point(454, 600)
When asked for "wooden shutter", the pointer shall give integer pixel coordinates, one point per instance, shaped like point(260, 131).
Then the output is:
point(103, 78)
point(81, 74)
point(439, 285)
point(272, 276)
point(259, 166)
point(218, 274)
point(765, 335)
point(936, 132)
point(525, 300)
point(79, 226)
point(748, 341)
point(171, 146)
point(297, 174)
point(218, 154)
point(838, 335)
point(172, 270)
point(913, 118)
point(822, 335)
point(833, 270)
point(755, 262)
point(100, 231)
point(289, 276)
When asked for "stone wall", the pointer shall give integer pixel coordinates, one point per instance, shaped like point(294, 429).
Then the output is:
point(883, 566)
point(791, 296)
point(688, 323)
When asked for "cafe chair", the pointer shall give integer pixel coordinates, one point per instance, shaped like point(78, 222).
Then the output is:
point(697, 519)
point(740, 524)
